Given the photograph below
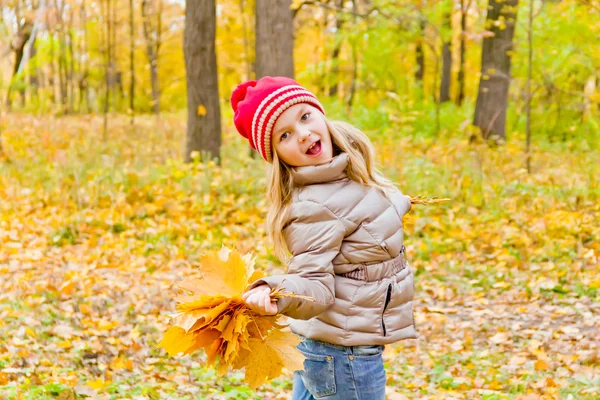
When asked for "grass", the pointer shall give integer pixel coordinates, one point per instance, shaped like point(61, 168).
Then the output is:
point(506, 271)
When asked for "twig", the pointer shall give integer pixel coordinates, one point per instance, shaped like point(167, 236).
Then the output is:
point(426, 201)
point(279, 292)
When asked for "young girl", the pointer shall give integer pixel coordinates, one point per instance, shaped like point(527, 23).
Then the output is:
point(341, 220)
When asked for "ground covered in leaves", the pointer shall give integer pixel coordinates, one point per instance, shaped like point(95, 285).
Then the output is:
point(95, 231)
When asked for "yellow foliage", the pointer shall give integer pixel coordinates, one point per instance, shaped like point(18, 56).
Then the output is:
point(266, 358)
point(215, 318)
point(98, 384)
point(78, 208)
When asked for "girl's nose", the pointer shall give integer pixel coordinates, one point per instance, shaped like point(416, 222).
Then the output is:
point(304, 134)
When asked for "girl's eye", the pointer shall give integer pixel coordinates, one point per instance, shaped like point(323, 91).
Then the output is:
point(284, 136)
point(303, 117)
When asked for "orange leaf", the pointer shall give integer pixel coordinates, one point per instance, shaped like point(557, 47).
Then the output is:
point(541, 365)
point(176, 340)
point(268, 357)
point(84, 309)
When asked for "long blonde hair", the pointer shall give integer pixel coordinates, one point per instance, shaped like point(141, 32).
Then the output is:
point(361, 168)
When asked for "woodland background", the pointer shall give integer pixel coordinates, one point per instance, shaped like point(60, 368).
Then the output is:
point(119, 166)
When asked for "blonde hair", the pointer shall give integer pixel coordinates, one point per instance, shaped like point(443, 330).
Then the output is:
point(361, 168)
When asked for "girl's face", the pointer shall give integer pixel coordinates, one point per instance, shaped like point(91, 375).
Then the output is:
point(300, 137)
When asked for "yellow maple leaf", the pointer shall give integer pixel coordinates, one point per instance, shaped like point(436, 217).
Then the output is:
point(98, 384)
point(268, 357)
point(215, 318)
point(176, 340)
point(223, 273)
point(285, 342)
point(260, 325)
point(203, 341)
point(261, 363)
point(222, 323)
point(195, 318)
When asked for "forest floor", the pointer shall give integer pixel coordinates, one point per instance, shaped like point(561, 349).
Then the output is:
point(95, 231)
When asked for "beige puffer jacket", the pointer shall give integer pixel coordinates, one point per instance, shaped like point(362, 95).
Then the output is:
point(337, 226)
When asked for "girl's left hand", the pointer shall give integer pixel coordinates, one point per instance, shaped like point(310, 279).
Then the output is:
point(259, 300)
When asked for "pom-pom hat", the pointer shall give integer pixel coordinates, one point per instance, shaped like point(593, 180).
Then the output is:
point(258, 104)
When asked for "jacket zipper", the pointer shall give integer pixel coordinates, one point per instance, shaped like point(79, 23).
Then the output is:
point(387, 302)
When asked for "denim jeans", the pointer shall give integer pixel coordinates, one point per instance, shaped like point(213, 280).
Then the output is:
point(339, 372)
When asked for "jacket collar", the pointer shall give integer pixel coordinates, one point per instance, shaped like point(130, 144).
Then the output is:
point(330, 171)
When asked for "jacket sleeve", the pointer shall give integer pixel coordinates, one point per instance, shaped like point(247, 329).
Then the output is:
point(401, 202)
point(314, 236)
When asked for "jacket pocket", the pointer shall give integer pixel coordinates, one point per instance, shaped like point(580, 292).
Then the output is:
point(388, 297)
point(318, 375)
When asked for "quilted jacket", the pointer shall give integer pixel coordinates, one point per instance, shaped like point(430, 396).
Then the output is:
point(346, 241)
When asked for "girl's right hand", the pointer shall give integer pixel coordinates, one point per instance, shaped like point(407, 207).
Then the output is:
point(259, 300)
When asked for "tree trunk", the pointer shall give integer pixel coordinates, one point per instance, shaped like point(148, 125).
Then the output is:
point(131, 62)
point(335, 55)
point(83, 84)
point(446, 72)
point(71, 75)
point(204, 113)
point(116, 79)
point(106, 14)
point(420, 72)
point(52, 77)
point(247, 62)
point(274, 43)
point(23, 35)
point(446, 55)
point(152, 37)
point(62, 57)
point(529, 94)
point(492, 98)
point(274, 38)
point(353, 82)
point(34, 80)
point(464, 9)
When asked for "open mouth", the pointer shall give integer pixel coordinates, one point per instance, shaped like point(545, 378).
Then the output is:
point(314, 149)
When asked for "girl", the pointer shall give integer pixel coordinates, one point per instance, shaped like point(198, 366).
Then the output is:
point(341, 220)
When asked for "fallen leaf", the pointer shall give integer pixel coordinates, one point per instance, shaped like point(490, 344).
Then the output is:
point(541, 365)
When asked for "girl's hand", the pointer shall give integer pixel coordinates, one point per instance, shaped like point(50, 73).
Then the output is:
point(259, 300)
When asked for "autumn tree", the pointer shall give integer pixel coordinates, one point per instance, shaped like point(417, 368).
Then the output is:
point(464, 11)
point(274, 44)
point(24, 30)
point(60, 8)
point(105, 11)
point(420, 55)
point(274, 38)
point(82, 77)
point(131, 61)
point(354, 46)
point(335, 55)
point(204, 113)
point(152, 23)
point(492, 97)
point(446, 52)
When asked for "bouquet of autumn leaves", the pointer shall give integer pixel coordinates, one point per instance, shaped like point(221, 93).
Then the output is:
point(214, 317)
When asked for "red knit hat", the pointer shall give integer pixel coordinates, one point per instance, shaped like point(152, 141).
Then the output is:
point(258, 104)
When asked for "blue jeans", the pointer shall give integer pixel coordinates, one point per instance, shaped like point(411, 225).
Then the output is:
point(339, 372)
